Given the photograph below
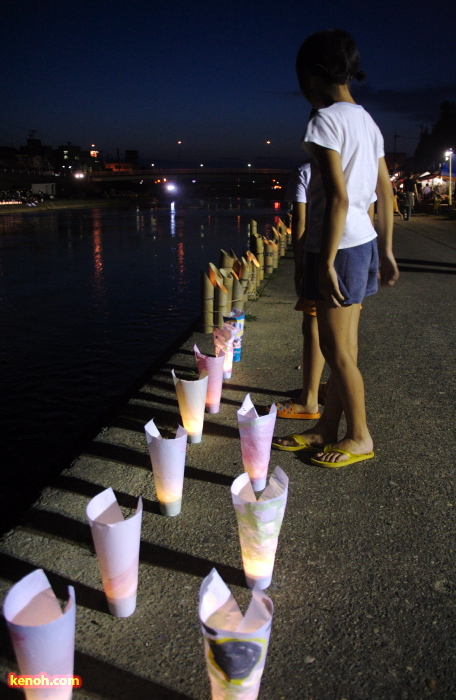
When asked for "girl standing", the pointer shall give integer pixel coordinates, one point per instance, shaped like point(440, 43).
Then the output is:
point(342, 254)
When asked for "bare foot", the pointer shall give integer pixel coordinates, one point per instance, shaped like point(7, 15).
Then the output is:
point(356, 448)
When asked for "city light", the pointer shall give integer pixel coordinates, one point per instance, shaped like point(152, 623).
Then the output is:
point(449, 157)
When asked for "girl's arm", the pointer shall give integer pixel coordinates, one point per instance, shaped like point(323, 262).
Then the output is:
point(389, 273)
point(334, 219)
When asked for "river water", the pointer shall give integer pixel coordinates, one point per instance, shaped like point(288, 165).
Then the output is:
point(89, 299)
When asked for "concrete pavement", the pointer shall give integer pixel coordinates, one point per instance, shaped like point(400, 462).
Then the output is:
point(364, 585)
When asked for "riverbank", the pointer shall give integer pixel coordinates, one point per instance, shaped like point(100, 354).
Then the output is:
point(364, 585)
point(58, 204)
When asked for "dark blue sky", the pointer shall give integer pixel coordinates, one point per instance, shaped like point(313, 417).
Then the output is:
point(219, 76)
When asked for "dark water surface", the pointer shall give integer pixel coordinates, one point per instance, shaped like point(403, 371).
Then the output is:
point(88, 300)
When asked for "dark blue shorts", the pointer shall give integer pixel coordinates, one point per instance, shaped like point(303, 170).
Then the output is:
point(357, 270)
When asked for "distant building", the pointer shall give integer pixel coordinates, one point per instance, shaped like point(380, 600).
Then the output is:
point(35, 154)
point(68, 156)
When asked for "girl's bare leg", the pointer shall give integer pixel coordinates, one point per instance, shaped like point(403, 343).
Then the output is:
point(338, 329)
point(338, 332)
point(313, 364)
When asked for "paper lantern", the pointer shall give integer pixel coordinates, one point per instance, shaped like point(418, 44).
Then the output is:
point(235, 646)
point(168, 464)
point(256, 439)
point(116, 543)
point(259, 525)
point(224, 341)
point(214, 369)
point(42, 636)
point(191, 396)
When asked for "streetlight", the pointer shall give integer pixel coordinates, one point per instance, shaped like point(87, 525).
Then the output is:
point(179, 144)
point(449, 157)
point(268, 144)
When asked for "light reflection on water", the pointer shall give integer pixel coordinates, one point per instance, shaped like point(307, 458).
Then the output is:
point(89, 299)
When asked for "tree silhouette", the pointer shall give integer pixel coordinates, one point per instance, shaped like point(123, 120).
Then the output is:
point(431, 148)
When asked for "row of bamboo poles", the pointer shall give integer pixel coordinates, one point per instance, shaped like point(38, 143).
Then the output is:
point(237, 279)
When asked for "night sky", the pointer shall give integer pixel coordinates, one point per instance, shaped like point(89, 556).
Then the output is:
point(218, 76)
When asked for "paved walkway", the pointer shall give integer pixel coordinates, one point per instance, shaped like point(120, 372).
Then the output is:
point(364, 586)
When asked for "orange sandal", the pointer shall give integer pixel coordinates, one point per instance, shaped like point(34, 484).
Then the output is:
point(287, 409)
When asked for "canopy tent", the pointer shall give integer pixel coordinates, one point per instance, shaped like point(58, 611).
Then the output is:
point(445, 169)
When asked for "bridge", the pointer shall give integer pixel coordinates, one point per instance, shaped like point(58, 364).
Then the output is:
point(189, 174)
point(200, 181)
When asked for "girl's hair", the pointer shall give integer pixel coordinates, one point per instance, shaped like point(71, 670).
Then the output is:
point(332, 55)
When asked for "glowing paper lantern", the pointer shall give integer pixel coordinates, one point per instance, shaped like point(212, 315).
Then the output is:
point(42, 636)
point(256, 438)
point(168, 465)
point(191, 396)
point(214, 369)
point(235, 646)
point(259, 525)
point(224, 341)
point(116, 543)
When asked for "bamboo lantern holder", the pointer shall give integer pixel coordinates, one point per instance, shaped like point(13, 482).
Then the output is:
point(244, 275)
point(226, 260)
point(254, 270)
point(207, 299)
point(228, 284)
point(275, 255)
point(259, 252)
point(281, 241)
point(214, 275)
point(268, 257)
point(286, 231)
point(220, 304)
point(237, 268)
point(239, 294)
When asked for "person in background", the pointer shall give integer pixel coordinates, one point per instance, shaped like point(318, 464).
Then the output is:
point(410, 192)
point(396, 209)
point(313, 391)
point(427, 192)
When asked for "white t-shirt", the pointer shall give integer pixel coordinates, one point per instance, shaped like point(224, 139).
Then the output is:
point(350, 131)
point(298, 183)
